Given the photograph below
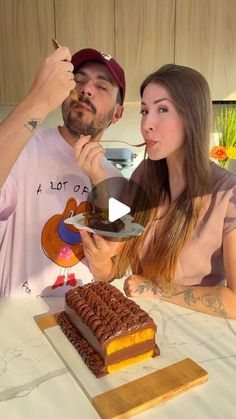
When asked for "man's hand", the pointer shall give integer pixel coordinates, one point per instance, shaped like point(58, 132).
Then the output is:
point(88, 155)
point(138, 286)
point(54, 80)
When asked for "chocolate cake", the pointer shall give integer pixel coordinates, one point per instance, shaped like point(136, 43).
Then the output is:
point(96, 220)
point(108, 330)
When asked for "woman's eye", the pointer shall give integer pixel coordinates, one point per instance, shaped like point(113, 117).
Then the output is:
point(162, 109)
point(144, 112)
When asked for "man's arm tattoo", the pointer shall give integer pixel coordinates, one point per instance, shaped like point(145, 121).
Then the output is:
point(32, 124)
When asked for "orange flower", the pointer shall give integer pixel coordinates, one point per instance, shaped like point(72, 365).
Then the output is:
point(218, 153)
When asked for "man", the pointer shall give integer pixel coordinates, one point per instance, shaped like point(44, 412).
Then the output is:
point(51, 86)
point(40, 254)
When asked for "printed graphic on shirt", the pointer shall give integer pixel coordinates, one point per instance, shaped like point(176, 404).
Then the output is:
point(62, 243)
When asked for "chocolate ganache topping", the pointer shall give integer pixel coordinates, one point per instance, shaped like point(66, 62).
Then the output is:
point(106, 311)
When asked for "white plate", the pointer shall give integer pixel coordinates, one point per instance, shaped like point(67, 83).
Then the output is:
point(131, 229)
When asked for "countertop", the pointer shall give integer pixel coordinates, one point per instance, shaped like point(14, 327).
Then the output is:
point(35, 384)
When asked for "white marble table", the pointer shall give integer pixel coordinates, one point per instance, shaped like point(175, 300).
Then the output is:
point(35, 384)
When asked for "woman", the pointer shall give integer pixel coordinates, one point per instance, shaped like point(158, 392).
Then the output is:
point(187, 253)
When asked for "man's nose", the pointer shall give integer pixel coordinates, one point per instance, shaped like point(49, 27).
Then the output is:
point(87, 89)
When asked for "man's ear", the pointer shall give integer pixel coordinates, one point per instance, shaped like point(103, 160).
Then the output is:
point(117, 114)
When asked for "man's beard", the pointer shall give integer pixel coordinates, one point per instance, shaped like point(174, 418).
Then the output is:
point(78, 127)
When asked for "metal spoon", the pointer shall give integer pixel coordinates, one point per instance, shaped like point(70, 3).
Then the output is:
point(124, 142)
point(73, 94)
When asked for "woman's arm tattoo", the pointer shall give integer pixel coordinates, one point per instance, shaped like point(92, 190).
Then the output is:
point(147, 286)
point(212, 299)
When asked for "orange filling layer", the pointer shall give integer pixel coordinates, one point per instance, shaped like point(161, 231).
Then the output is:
point(129, 361)
point(130, 340)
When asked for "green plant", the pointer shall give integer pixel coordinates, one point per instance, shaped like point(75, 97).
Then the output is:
point(225, 125)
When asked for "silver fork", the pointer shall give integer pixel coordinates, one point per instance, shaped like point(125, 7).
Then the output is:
point(124, 142)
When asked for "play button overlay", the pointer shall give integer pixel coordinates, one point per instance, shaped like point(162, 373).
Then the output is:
point(118, 197)
point(116, 209)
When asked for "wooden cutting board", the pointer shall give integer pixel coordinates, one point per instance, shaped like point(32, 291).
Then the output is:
point(123, 401)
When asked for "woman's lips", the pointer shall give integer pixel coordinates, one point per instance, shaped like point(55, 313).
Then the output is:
point(151, 143)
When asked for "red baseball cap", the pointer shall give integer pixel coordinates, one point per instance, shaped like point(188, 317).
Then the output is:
point(89, 54)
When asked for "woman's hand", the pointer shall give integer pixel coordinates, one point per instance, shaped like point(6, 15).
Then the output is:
point(98, 252)
point(88, 155)
point(138, 286)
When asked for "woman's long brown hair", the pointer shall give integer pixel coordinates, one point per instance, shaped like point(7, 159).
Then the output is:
point(191, 97)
